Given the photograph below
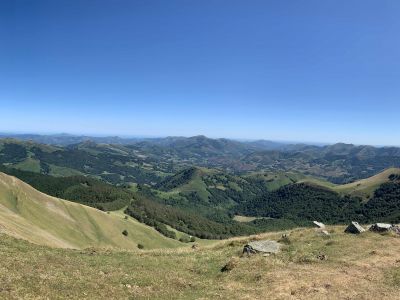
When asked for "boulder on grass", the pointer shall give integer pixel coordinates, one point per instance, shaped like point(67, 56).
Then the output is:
point(381, 227)
point(354, 228)
point(395, 229)
point(265, 246)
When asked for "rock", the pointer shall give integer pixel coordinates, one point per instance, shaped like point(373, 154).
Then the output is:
point(319, 224)
point(325, 232)
point(395, 229)
point(354, 228)
point(265, 246)
point(381, 227)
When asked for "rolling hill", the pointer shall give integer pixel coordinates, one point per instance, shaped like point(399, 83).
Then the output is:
point(31, 215)
point(363, 188)
point(149, 161)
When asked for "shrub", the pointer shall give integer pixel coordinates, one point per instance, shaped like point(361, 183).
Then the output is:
point(184, 239)
point(230, 265)
point(140, 246)
point(125, 232)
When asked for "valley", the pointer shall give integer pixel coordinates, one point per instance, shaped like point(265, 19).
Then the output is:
point(102, 220)
point(196, 200)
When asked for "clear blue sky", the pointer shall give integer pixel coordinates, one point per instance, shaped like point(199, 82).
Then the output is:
point(309, 70)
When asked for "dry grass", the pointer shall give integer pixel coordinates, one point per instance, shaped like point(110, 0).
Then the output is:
point(309, 267)
point(31, 215)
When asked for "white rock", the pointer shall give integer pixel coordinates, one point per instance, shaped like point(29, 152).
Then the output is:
point(380, 227)
point(319, 224)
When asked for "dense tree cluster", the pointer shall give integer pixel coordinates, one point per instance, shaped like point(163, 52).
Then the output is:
point(176, 180)
point(79, 189)
point(385, 205)
point(12, 153)
point(304, 202)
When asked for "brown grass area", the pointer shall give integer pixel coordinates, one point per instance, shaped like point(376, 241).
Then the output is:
point(353, 267)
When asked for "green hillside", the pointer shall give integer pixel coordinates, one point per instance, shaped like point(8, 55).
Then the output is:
point(29, 214)
point(363, 188)
point(275, 180)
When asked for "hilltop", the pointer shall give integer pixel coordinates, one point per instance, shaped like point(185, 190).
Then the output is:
point(29, 214)
point(363, 188)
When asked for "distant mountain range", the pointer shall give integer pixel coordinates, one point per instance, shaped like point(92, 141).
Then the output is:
point(65, 139)
point(119, 160)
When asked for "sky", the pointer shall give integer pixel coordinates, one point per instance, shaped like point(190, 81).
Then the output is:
point(289, 70)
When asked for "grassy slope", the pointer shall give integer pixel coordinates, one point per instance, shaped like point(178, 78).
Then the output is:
point(29, 164)
point(366, 187)
point(275, 180)
point(196, 184)
point(39, 218)
point(363, 188)
point(357, 267)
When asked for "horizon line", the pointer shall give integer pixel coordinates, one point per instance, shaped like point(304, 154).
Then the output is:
point(138, 136)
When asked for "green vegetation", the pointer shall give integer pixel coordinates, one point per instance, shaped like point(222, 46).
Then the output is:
point(203, 203)
point(31, 215)
point(302, 202)
point(365, 188)
point(158, 182)
point(79, 189)
point(150, 161)
point(385, 205)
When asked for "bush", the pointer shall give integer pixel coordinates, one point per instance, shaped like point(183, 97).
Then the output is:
point(184, 239)
point(140, 246)
point(125, 233)
point(192, 239)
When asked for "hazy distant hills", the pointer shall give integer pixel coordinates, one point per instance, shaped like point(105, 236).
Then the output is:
point(69, 139)
point(121, 160)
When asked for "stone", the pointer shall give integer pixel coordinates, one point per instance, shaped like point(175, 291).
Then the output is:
point(319, 224)
point(381, 227)
point(325, 232)
point(266, 246)
point(395, 229)
point(354, 228)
